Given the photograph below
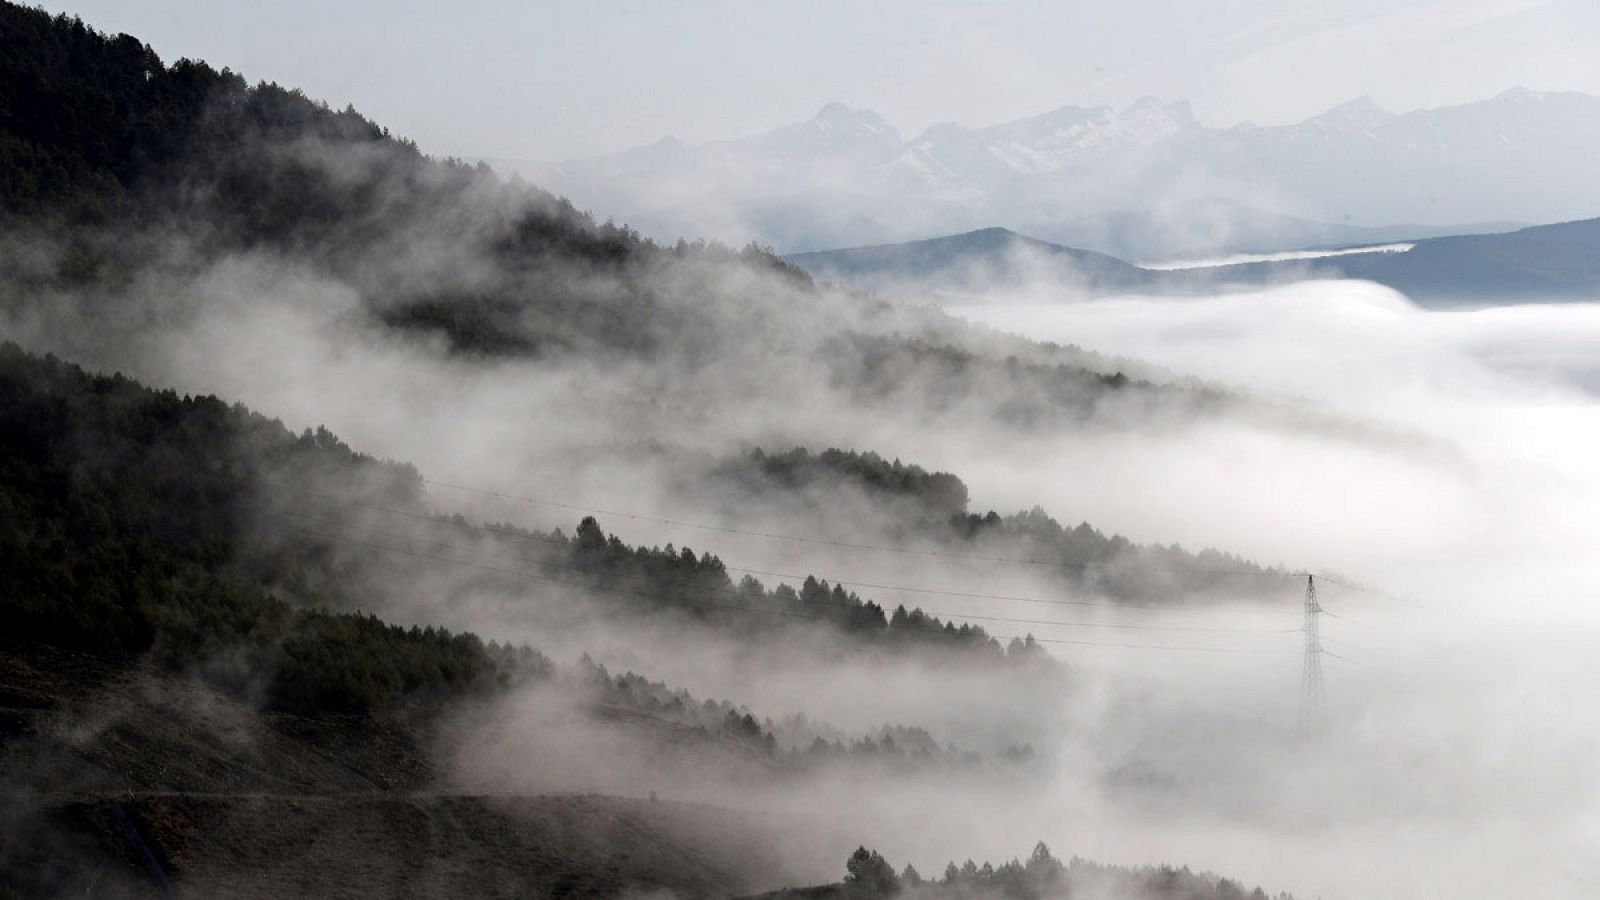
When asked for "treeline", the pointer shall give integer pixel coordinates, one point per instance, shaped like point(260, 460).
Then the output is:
point(868, 876)
point(696, 587)
point(798, 471)
point(795, 741)
point(942, 377)
point(931, 509)
point(699, 587)
point(1110, 564)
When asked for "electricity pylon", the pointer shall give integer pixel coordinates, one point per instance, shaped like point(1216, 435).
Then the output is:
point(1313, 712)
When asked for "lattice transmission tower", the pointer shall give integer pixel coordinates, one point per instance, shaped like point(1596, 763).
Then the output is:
point(1313, 710)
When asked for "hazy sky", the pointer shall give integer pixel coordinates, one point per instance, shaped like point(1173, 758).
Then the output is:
point(551, 80)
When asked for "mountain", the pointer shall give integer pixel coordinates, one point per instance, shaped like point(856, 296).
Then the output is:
point(242, 660)
point(187, 667)
point(845, 178)
point(1066, 138)
point(1218, 228)
point(1534, 264)
point(1541, 263)
point(96, 133)
point(187, 528)
point(972, 262)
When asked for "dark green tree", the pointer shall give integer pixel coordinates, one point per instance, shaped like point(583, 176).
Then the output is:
point(868, 874)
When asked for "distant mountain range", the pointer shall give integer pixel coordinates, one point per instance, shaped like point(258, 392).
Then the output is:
point(973, 262)
point(1218, 228)
point(1542, 263)
point(1146, 182)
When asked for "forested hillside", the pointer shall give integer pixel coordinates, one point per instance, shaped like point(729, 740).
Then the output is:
point(99, 132)
point(118, 166)
point(100, 139)
point(975, 262)
point(142, 520)
point(933, 507)
point(128, 529)
point(158, 598)
point(204, 611)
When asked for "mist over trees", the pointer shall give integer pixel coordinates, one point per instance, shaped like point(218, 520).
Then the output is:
point(137, 524)
point(127, 531)
point(119, 167)
point(157, 513)
point(933, 506)
point(869, 876)
point(172, 561)
point(96, 131)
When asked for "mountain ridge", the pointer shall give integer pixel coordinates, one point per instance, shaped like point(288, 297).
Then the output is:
point(1525, 155)
point(1557, 261)
point(972, 260)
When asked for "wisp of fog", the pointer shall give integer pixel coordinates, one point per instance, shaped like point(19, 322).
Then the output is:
point(1457, 762)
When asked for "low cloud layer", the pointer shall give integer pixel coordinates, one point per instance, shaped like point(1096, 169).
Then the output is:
point(1458, 761)
point(1435, 458)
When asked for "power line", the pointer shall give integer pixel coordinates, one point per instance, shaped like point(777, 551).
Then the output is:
point(1344, 618)
point(972, 595)
point(1113, 625)
point(522, 573)
point(886, 548)
point(736, 593)
point(1366, 590)
point(847, 545)
point(1123, 625)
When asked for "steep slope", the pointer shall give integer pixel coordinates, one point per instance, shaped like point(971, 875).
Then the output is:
point(183, 702)
point(138, 193)
point(148, 522)
point(190, 589)
point(147, 166)
point(210, 736)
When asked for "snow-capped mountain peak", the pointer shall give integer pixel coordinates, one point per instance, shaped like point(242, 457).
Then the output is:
point(1519, 95)
point(1056, 140)
point(1522, 154)
point(1176, 115)
point(839, 116)
point(835, 129)
point(1362, 113)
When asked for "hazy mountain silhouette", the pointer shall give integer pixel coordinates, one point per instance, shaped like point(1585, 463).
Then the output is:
point(846, 177)
point(1540, 263)
point(973, 261)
